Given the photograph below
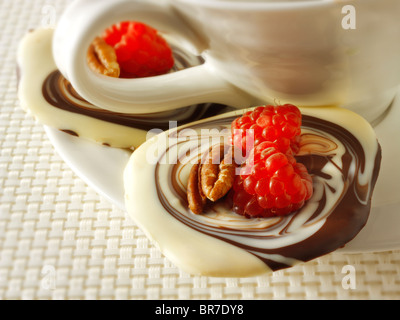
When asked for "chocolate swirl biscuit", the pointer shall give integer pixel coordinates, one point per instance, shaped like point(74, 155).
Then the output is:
point(51, 99)
point(344, 172)
point(59, 93)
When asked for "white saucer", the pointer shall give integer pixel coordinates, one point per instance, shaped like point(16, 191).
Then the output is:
point(102, 168)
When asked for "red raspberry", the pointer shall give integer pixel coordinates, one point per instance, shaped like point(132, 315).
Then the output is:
point(271, 183)
point(141, 51)
point(280, 124)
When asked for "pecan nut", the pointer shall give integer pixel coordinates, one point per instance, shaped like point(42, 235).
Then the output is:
point(195, 196)
point(211, 179)
point(217, 173)
point(102, 58)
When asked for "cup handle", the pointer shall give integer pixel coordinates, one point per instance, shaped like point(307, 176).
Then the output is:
point(77, 29)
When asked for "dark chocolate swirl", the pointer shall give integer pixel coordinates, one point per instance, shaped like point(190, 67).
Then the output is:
point(334, 215)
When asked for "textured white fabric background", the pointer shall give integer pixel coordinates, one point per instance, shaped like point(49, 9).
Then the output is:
point(60, 240)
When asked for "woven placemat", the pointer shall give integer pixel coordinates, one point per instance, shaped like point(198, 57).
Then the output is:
point(60, 240)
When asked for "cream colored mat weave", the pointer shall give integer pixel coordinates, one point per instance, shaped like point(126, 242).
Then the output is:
point(61, 240)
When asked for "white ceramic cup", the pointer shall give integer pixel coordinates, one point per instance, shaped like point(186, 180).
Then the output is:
point(256, 52)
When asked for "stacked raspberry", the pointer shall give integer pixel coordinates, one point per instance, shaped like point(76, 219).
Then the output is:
point(140, 50)
point(271, 182)
point(280, 124)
